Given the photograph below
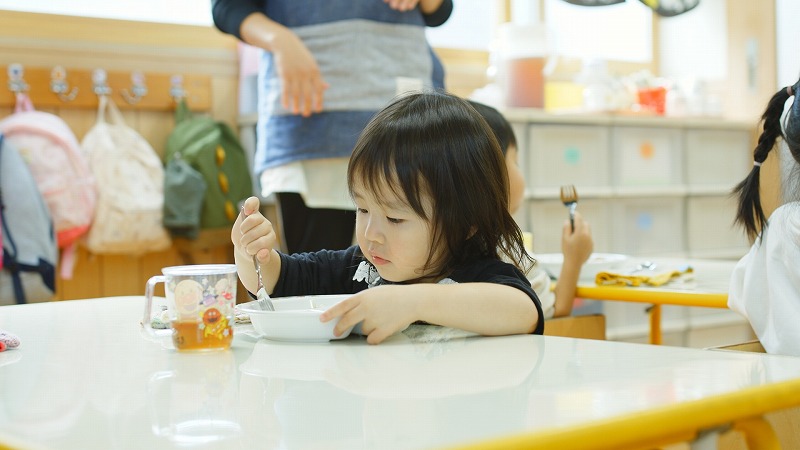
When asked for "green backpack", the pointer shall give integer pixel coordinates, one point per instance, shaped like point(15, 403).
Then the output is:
point(211, 148)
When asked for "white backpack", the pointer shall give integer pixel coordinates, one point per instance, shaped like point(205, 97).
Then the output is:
point(130, 186)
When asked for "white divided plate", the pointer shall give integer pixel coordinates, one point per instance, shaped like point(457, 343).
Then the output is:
point(295, 319)
point(597, 262)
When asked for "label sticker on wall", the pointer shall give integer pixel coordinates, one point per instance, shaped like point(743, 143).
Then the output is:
point(644, 221)
point(647, 150)
point(572, 156)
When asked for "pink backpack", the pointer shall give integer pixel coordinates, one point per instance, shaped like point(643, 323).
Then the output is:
point(61, 172)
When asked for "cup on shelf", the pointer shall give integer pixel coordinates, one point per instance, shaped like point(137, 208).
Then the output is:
point(652, 99)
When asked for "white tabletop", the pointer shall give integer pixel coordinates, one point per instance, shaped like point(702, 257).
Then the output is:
point(87, 376)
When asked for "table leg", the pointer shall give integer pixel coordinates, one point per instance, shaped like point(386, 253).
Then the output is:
point(655, 324)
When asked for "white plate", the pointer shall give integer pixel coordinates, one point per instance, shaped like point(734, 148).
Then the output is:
point(597, 262)
point(295, 319)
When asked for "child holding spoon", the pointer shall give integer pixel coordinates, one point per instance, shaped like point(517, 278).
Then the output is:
point(433, 229)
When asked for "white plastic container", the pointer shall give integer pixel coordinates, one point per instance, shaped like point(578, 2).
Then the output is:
point(520, 54)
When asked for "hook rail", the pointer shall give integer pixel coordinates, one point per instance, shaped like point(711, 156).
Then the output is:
point(57, 87)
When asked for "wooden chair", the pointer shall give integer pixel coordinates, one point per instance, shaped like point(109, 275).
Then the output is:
point(753, 346)
point(586, 327)
point(785, 423)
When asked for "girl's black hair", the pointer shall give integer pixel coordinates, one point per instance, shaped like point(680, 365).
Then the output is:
point(436, 145)
point(499, 125)
point(750, 214)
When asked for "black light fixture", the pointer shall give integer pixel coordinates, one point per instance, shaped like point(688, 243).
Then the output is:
point(664, 8)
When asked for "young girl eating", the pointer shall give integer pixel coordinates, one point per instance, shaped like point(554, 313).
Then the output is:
point(432, 224)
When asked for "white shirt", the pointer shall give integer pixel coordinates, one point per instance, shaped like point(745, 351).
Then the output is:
point(321, 182)
point(540, 282)
point(765, 285)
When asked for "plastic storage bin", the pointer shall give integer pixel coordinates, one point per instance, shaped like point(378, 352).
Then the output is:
point(717, 159)
point(567, 154)
point(647, 157)
point(651, 226)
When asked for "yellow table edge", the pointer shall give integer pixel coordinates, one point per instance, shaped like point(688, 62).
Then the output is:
point(653, 296)
point(660, 426)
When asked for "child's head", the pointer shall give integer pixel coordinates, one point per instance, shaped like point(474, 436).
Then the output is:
point(750, 214)
point(431, 188)
point(508, 145)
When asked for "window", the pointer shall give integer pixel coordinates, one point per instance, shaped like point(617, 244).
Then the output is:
point(471, 26)
point(187, 12)
point(621, 32)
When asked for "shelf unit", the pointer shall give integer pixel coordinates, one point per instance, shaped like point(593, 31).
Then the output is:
point(649, 186)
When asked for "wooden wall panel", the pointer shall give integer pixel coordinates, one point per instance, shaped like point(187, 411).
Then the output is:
point(85, 282)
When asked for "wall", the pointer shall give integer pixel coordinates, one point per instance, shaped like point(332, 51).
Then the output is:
point(43, 41)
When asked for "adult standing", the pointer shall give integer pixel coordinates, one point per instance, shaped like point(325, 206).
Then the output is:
point(327, 68)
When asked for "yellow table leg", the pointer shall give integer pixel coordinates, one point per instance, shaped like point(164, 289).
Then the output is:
point(655, 324)
point(758, 433)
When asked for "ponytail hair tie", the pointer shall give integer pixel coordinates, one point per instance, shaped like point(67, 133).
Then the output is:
point(756, 164)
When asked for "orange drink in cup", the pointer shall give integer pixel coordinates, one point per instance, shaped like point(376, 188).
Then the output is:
point(200, 302)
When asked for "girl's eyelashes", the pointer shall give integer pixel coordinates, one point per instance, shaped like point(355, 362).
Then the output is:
point(389, 219)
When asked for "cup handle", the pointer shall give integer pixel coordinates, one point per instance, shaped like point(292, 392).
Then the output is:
point(148, 305)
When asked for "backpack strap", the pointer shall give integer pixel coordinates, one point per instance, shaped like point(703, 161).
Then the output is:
point(182, 111)
point(23, 103)
point(106, 103)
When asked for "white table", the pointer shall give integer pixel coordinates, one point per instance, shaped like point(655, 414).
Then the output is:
point(86, 377)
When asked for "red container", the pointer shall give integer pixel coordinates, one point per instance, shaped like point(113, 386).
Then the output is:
point(653, 99)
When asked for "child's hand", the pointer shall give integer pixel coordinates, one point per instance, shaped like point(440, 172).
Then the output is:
point(252, 234)
point(577, 246)
point(383, 311)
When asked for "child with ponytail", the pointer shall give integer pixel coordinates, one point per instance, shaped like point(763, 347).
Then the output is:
point(765, 285)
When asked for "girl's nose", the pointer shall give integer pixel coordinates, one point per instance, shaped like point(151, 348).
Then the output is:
point(373, 231)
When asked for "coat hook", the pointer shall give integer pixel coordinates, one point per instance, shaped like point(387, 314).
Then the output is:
point(16, 80)
point(59, 85)
point(100, 82)
point(138, 89)
point(176, 90)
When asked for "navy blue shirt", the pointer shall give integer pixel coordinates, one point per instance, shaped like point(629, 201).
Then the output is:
point(331, 272)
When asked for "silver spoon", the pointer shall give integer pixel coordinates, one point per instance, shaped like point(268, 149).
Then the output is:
point(264, 301)
point(645, 265)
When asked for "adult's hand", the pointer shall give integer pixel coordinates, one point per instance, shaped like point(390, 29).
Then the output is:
point(302, 85)
point(427, 6)
point(402, 5)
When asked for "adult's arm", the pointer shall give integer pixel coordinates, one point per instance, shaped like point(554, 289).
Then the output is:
point(302, 87)
point(228, 15)
point(436, 12)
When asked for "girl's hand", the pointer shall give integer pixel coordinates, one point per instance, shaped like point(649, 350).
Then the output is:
point(252, 234)
point(302, 84)
point(577, 246)
point(383, 311)
point(402, 5)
